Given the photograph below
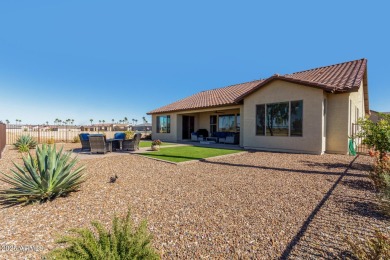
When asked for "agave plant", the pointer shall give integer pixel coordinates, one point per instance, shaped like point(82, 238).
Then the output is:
point(23, 148)
point(123, 242)
point(45, 177)
point(26, 141)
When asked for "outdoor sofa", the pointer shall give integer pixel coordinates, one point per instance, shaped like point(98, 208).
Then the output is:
point(226, 137)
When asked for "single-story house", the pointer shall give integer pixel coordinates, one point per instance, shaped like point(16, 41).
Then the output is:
point(311, 111)
point(106, 127)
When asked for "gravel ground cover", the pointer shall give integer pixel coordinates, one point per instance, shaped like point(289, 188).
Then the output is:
point(351, 211)
point(248, 205)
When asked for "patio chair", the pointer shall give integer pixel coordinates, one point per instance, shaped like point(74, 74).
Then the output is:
point(98, 144)
point(84, 139)
point(132, 145)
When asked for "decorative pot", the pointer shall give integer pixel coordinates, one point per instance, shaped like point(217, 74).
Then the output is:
point(155, 147)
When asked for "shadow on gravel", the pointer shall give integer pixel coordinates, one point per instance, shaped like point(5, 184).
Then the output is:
point(362, 167)
point(281, 169)
point(359, 185)
point(286, 253)
point(78, 151)
point(326, 165)
point(366, 209)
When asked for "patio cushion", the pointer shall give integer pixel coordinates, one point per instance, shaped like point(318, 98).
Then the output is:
point(119, 136)
point(220, 134)
point(84, 137)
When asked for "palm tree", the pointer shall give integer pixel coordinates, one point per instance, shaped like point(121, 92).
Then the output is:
point(133, 120)
point(113, 120)
point(72, 121)
point(136, 121)
point(7, 121)
point(47, 122)
point(144, 119)
point(125, 120)
point(103, 121)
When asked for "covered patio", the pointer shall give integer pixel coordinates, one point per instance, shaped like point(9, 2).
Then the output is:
point(205, 126)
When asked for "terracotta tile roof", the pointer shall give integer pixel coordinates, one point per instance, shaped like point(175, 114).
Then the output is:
point(210, 98)
point(342, 77)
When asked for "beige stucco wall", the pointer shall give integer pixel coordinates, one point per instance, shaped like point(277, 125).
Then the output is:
point(357, 99)
point(341, 114)
point(280, 91)
point(172, 136)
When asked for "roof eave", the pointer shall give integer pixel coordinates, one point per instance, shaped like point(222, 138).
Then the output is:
point(365, 91)
point(194, 108)
point(287, 79)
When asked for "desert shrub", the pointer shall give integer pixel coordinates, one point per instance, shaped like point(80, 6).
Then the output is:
point(48, 175)
point(76, 139)
point(376, 135)
point(377, 247)
point(23, 148)
point(129, 135)
point(50, 140)
point(380, 173)
point(25, 140)
point(156, 142)
point(125, 241)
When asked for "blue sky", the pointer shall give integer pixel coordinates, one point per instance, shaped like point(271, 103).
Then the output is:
point(111, 59)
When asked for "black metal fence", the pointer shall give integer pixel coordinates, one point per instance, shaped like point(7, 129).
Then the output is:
point(56, 134)
point(43, 134)
point(359, 146)
point(3, 138)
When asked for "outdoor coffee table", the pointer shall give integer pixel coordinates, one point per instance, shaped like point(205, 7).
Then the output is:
point(111, 140)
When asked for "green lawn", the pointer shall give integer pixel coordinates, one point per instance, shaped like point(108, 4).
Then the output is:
point(149, 143)
point(187, 153)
